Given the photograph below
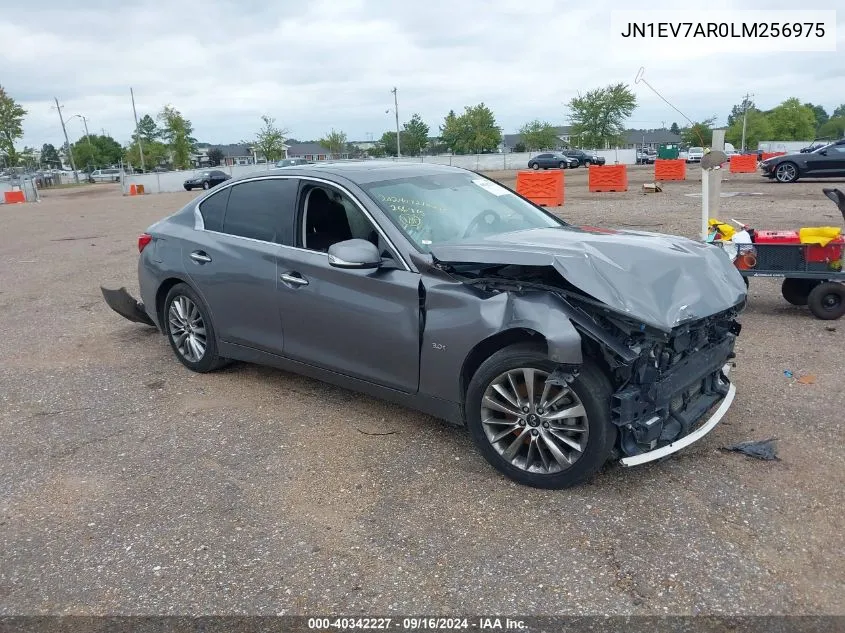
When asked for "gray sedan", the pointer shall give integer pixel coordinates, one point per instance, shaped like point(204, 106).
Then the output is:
point(558, 347)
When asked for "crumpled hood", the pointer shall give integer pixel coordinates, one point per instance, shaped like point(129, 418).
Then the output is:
point(660, 280)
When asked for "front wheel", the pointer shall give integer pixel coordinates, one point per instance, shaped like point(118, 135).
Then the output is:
point(205, 185)
point(562, 165)
point(827, 300)
point(534, 166)
point(786, 172)
point(538, 433)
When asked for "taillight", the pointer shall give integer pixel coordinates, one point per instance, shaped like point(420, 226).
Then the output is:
point(143, 240)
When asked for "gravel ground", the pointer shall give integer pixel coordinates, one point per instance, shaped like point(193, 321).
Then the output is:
point(129, 485)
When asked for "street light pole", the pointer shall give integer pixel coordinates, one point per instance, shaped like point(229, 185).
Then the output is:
point(137, 130)
point(67, 142)
point(396, 111)
point(744, 117)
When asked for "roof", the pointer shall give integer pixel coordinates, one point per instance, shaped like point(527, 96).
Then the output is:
point(231, 150)
point(510, 140)
point(635, 137)
point(307, 149)
point(361, 171)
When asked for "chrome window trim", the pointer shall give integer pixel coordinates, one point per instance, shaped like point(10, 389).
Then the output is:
point(199, 225)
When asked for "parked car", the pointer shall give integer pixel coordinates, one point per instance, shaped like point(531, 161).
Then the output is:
point(206, 179)
point(104, 175)
point(551, 160)
point(559, 347)
point(584, 158)
point(695, 154)
point(823, 162)
point(290, 162)
point(644, 157)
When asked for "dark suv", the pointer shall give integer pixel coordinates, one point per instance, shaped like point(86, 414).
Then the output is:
point(584, 158)
point(551, 160)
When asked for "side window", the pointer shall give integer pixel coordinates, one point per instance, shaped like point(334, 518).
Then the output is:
point(213, 209)
point(329, 216)
point(262, 210)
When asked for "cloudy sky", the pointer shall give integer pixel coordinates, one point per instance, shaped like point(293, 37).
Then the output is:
point(321, 64)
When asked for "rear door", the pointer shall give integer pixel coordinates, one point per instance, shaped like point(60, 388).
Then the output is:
point(233, 262)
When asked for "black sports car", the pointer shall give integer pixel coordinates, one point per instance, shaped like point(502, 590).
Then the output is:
point(827, 161)
point(206, 179)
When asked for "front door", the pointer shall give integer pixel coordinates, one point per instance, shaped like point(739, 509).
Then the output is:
point(360, 323)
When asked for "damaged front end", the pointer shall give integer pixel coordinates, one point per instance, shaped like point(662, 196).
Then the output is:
point(665, 381)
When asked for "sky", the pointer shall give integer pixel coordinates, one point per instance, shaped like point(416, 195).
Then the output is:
point(317, 65)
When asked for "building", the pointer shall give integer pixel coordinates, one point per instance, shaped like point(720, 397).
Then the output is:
point(233, 154)
point(650, 139)
point(509, 141)
point(313, 152)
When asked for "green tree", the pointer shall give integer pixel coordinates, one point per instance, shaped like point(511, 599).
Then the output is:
point(675, 129)
point(483, 135)
point(26, 157)
point(820, 113)
point(95, 151)
point(148, 130)
point(334, 141)
point(11, 126)
point(699, 134)
point(270, 141)
point(737, 111)
point(156, 153)
point(177, 131)
point(833, 128)
point(377, 151)
point(792, 121)
point(414, 136)
point(538, 135)
point(757, 128)
point(50, 157)
point(839, 111)
point(388, 143)
point(519, 147)
point(215, 156)
point(451, 132)
point(598, 116)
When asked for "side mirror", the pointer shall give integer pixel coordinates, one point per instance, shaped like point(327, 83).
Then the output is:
point(355, 253)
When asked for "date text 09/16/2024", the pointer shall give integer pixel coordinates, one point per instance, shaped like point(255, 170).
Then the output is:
point(415, 624)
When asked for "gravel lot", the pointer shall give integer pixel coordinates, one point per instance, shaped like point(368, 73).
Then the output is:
point(129, 485)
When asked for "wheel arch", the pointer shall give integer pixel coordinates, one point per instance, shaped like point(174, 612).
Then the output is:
point(492, 344)
point(161, 294)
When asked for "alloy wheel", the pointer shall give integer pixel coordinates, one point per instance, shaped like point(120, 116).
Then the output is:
point(187, 329)
point(536, 426)
point(786, 172)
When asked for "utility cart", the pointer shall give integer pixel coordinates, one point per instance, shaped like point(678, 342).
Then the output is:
point(809, 260)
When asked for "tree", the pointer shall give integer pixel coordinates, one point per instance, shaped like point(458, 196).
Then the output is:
point(270, 141)
point(675, 129)
point(757, 128)
point(388, 143)
point(334, 141)
point(519, 147)
point(155, 153)
point(11, 126)
point(792, 121)
point(27, 157)
point(738, 110)
point(50, 157)
point(482, 133)
point(177, 131)
point(414, 136)
point(215, 156)
point(820, 113)
point(538, 135)
point(699, 134)
point(94, 151)
point(598, 116)
point(839, 111)
point(148, 130)
point(833, 128)
point(450, 132)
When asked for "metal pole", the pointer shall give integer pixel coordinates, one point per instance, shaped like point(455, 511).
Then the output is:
point(85, 123)
point(744, 118)
point(67, 142)
point(396, 111)
point(137, 131)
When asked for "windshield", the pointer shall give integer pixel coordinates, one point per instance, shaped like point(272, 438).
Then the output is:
point(697, 150)
point(453, 208)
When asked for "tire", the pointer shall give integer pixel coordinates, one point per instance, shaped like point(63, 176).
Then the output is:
point(562, 165)
point(209, 359)
point(187, 188)
point(206, 185)
point(827, 300)
point(534, 166)
point(576, 164)
point(587, 163)
point(786, 172)
point(591, 389)
point(796, 291)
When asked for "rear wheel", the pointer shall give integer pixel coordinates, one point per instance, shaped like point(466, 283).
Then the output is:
point(537, 433)
point(187, 323)
point(796, 291)
point(205, 185)
point(827, 300)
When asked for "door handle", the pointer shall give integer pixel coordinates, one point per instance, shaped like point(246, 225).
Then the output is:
point(200, 257)
point(293, 278)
